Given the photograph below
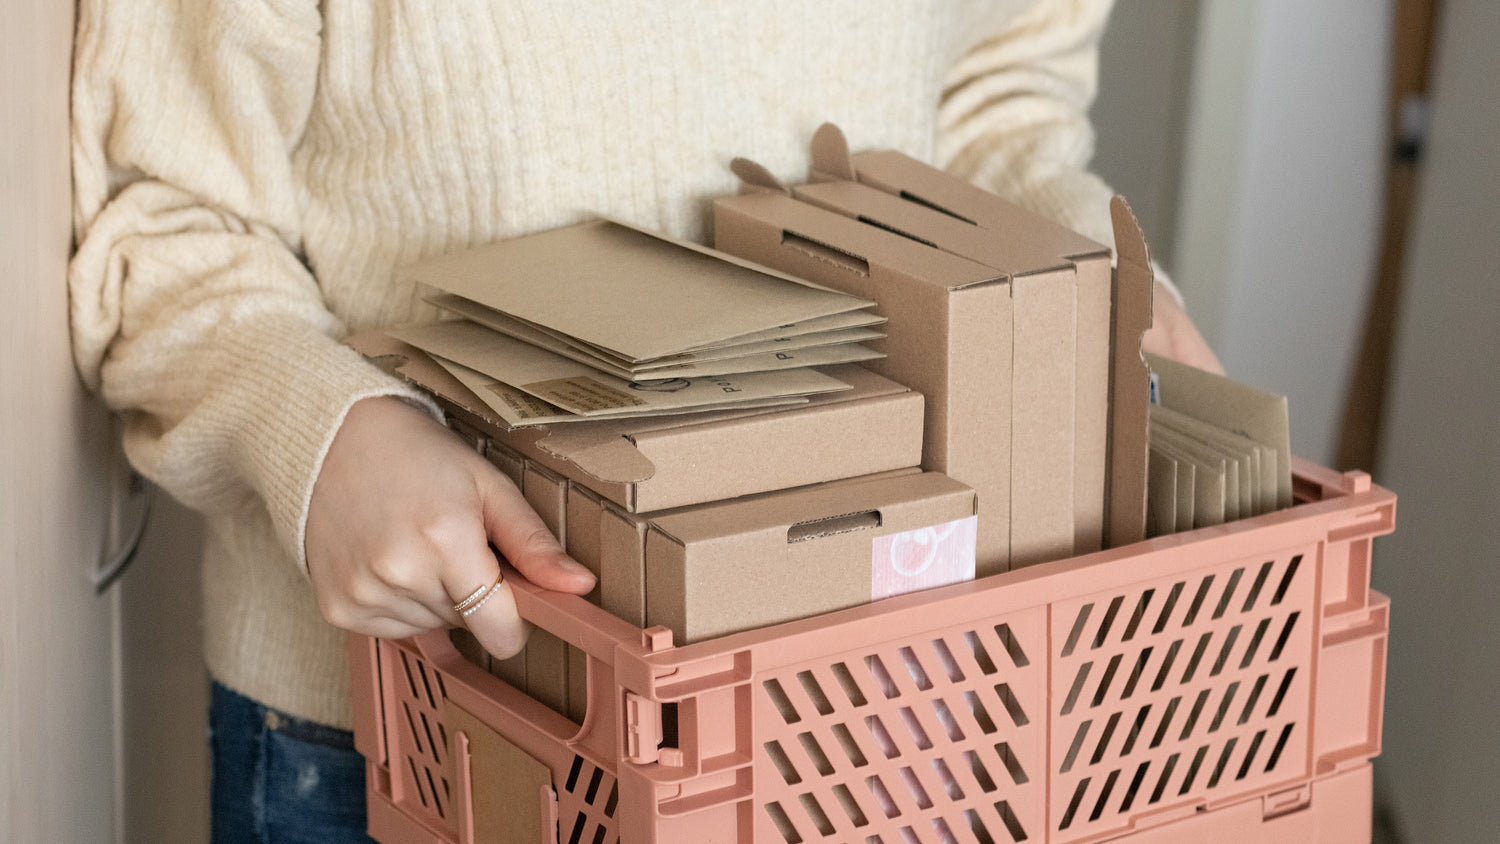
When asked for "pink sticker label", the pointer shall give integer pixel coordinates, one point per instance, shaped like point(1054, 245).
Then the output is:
point(923, 558)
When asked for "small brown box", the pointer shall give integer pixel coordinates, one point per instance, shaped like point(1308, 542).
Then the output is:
point(735, 565)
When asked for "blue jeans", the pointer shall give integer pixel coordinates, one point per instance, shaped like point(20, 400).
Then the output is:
point(282, 780)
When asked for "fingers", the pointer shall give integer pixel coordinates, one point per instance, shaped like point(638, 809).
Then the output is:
point(525, 541)
point(489, 611)
point(476, 596)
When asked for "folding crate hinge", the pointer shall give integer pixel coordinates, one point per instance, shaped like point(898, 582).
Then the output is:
point(642, 729)
point(1286, 802)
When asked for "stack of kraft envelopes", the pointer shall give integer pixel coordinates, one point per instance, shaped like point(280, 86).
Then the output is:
point(1220, 450)
point(606, 320)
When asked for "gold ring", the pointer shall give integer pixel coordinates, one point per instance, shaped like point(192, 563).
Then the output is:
point(477, 598)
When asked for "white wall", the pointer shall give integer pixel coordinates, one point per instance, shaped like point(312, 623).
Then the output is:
point(1145, 75)
point(1281, 199)
point(1440, 769)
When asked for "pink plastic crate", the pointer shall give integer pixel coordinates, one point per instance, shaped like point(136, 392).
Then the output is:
point(1223, 684)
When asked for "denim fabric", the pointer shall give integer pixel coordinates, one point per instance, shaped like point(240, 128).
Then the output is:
point(282, 780)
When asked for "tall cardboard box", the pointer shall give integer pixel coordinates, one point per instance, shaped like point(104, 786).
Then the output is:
point(948, 335)
point(920, 201)
point(953, 335)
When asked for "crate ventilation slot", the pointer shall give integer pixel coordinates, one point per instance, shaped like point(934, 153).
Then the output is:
point(1228, 647)
point(586, 805)
point(423, 736)
point(941, 719)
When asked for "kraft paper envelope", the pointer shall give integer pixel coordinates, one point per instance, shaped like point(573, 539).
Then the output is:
point(1204, 455)
point(821, 348)
point(1161, 495)
point(1207, 489)
point(1261, 458)
point(519, 409)
point(581, 389)
point(640, 295)
point(1236, 407)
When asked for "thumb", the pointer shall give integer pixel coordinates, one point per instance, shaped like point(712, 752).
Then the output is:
point(524, 540)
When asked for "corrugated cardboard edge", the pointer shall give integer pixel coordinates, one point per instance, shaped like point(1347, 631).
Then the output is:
point(1130, 380)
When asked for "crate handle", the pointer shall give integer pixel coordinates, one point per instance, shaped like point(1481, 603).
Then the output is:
point(568, 617)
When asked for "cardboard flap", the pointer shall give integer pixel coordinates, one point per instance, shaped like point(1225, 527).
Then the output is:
point(605, 451)
point(919, 182)
point(414, 366)
point(830, 155)
point(755, 178)
point(864, 250)
point(505, 795)
point(1130, 380)
point(1011, 252)
point(1130, 238)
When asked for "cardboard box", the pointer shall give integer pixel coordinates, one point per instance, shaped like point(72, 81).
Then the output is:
point(738, 565)
point(948, 334)
point(670, 461)
point(916, 199)
point(951, 334)
point(621, 555)
point(546, 655)
point(1047, 518)
point(582, 544)
point(711, 568)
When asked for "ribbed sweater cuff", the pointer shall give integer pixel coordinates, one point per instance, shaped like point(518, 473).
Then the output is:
point(310, 382)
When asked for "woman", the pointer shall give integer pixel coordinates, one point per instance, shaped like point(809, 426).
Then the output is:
point(249, 172)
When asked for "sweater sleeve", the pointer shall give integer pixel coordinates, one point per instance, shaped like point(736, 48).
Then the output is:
point(1014, 114)
point(191, 311)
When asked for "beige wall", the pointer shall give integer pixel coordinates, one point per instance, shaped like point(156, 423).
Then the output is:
point(102, 699)
point(56, 713)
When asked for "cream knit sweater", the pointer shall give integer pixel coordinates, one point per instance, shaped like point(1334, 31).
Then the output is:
point(248, 172)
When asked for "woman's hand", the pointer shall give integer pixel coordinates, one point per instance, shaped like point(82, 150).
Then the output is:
point(1173, 335)
point(399, 529)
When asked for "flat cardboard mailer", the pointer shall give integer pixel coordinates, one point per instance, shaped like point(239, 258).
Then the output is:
point(577, 281)
point(951, 335)
point(713, 569)
point(661, 462)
